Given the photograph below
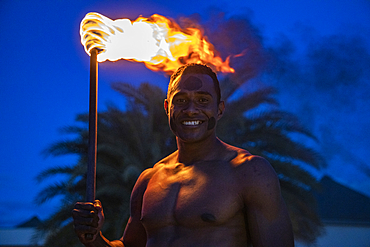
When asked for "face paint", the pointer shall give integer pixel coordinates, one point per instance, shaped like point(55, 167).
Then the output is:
point(211, 123)
point(193, 83)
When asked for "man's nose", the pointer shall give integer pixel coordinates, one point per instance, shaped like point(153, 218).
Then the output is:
point(191, 108)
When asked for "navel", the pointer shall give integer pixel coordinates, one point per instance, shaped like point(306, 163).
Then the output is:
point(207, 217)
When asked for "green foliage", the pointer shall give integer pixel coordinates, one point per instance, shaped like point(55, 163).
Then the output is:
point(267, 132)
point(132, 140)
point(128, 142)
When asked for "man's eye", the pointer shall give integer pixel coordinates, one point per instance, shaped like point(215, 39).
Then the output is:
point(181, 100)
point(203, 100)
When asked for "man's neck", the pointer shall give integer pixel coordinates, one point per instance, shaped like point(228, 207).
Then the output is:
point(207, 149)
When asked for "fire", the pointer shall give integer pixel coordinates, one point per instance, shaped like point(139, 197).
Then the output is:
point(158, 42)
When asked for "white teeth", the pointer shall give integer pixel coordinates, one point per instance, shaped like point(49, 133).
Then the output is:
point(191, 123)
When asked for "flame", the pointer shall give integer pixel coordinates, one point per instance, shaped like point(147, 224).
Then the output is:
point(156, 41)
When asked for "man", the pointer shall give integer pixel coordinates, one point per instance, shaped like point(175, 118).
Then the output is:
point(207, 193)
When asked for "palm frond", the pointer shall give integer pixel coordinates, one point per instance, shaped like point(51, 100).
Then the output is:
point(54, 171)
point(130, 141)
point(67, 147)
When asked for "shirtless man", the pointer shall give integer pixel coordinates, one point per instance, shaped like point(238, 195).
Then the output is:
point(207, 193)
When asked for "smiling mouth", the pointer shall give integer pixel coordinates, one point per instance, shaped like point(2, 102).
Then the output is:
point(192, 123)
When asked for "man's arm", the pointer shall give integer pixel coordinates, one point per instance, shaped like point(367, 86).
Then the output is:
point(135, 234)
point(89, 218)
point(101, 241)
point(268, 219)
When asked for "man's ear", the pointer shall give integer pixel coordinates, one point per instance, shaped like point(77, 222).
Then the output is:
point(166, 106)
point(221, 109)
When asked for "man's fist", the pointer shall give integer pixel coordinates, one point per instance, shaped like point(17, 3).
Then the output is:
point(88, 218)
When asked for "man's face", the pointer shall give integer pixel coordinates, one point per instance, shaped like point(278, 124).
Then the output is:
point(192, 107)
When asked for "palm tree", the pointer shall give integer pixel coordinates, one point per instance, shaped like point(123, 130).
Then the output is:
point(130, 141)
point(253, 121)
point(270, 133)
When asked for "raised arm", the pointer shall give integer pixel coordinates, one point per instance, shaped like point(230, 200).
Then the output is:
point(268, 220)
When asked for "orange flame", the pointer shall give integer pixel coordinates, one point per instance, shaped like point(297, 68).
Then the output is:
point(156, 41)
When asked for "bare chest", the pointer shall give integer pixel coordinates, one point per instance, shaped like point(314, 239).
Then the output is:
point(189, 196)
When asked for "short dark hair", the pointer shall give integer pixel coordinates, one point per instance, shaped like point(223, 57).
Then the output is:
point(197, 69)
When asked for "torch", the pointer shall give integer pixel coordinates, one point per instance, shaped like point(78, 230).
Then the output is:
point(158, 42)
point(93, 122)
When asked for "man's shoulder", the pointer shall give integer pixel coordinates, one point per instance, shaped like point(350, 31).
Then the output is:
point(166, 160)
point(240, 157)
point(250, 167)
point(148, 173)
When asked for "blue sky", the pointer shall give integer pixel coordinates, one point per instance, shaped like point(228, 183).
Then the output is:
point(44, 75)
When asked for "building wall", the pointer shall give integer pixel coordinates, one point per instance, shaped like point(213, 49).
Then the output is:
point(17, 236)
point(335, 236)
point(342, 236)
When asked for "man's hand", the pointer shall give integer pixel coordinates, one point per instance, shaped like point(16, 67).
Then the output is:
point(88, 219)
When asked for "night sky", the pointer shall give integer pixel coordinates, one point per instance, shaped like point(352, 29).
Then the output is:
point(322, 48)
